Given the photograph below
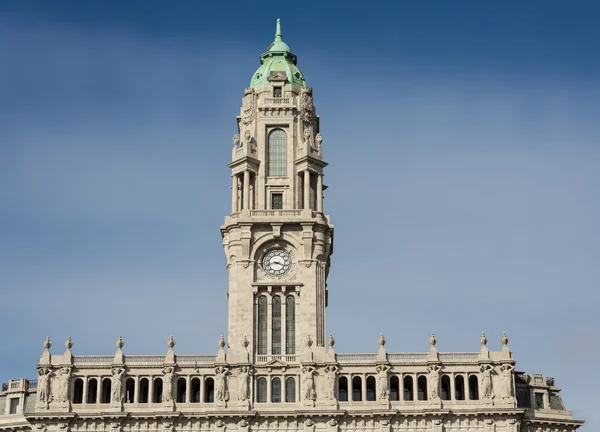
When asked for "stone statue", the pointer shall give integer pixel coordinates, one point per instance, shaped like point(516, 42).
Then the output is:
point(486, 381)
point(330, 376)
point(244, 383)
point(248, 106)
point(43, 389)
point(319, 140)
point(307, 138)
point(306, 105)
point(236, 140)
point(506, 381)
point(434, 381)
point(308, 383)
point(117, 384)
point(64, 379)
point(382, 380)
point(221, 383)
point(167, 395)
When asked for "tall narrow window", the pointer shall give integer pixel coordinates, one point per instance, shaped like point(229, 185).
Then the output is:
point(394, 388)
point(446, 387)
point(371, 388)
point(105, 391)
point(290, 325)
point(195, 390)
point(473, 388)
point(276, 91)
point(129, 390)
point(290, 390)
point(356, 389)
point(78, 391)
point(209, 390)
point(343, 389)
point(144, 390)
point(158, 390)
point(14, 406)
point(276, 390)
point(261, 390)
point(262, 325)
point(92, 391)
point(422, 387)
point(181, 389)
point(277, 150)
point(408, 388)
point(276, 326)
point(459, 387)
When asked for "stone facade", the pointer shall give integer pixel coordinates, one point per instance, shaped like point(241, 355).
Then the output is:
point(279, 370)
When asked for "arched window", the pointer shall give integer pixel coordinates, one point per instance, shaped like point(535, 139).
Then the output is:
point(371, 392)
point(144, 390)
point(408, 388)
point(343, 389)
point(129, 390)
point(261, 390)
point(277, 149)
point(209, 390)
point(290, 325)
point(473, 388)
point(78, 391)
point(158, 390)
point(195, 390)
point(356, 389)
point(262, 325)
point(422, 388)
point(181, 389)
point(106, 384)
point(276, 326)
point(92, 391)
point(290, 390)
point(459, 387)
point(445, 387)
point(394, 388)
point(276, 390)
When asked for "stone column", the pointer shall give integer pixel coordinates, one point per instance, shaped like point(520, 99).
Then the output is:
point(306, 189)
point(269, 389)
point(363, 389)
point(151, 389)
point(452, 387)
point(283, 329)
point(269, 324)
point(320, 193)
point(415, 383)
point(188, 388)
point(246, 190)
point(85, 391)
point(99, 390)
point(234, 194)
point(202, 388)
point(136, 390)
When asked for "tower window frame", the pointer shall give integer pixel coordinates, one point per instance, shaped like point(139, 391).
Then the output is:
point(277, 153)
point(277, 200)
point(277, 91)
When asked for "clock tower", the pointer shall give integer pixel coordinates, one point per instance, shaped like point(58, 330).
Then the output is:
point(277, 239)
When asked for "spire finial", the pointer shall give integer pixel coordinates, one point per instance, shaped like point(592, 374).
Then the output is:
point(278, 35)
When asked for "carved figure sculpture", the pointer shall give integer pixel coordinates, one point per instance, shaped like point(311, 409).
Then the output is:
point(248, 107)
point(506, 381)
point(306, 105)
point(244, 383)
point(382, 380)
point(221, 383)
point(330, 376)
point(319, 140)
point(64, 379)
point(167, 394)
point(117, 384)
point(43, 389)
point(235, 140)
point(434, 381)
point(486, 382)
point(308, 383)
point(307, 138)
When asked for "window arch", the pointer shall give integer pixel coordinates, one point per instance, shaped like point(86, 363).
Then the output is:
point(408, 388)
point(459, 387)
point(129, 390)
point(92, 391)
point(356, 389)
point(106, 385)
point(290, 390)
point(290, 325)
point(343, 389)
point(144, 390)
point(262, 326)
point(277, 154)
point(181, 389)
point(158, 390)
point(394, 388)
point(446, 387)
point(209, 390)
point(276, 390)
point(473, 388)
point(276, 326)
point(261, 390)
point(78, 391)
point(371, 393)
point(422, 388)
point(195, 395)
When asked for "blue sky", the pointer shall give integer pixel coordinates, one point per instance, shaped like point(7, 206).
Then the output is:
point(463, 144)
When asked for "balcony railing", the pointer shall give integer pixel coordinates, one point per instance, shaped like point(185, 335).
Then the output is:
point(278, 101)
point(93, 359)
point(288, 358)
point(278, 213)
point(196, 358)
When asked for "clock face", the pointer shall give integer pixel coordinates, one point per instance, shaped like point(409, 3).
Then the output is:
point(277, 262)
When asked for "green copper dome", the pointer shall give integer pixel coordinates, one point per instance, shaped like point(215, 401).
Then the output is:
point(278, 58)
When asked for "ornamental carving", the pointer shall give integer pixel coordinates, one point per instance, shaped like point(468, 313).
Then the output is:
point(117, 385)
point(43, 388)
point(330, 379)
point(248, 107)
point(167, 395)
point(62, 389)
point(434, 381)
point(382, 380)
point(308, 383)
point(221, 393)
point(244, 383)
point(486, 382)
point(306, 105)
